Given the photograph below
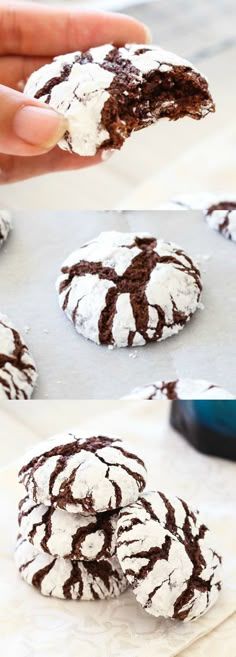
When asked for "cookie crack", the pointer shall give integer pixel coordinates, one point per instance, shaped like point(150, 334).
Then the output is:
point(134, 282)
point(151, 556)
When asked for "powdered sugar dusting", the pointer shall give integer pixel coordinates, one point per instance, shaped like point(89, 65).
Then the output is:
point(180, 389)
point(78, 85)
point(67, 535)
point(153, 58)
point(169, 557)
point(103, 474)
point(74, 580)
point(18, 373)
point(101, 283)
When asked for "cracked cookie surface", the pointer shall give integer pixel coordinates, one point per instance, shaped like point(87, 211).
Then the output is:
point(68, 535)
point(106, 93)
point(127, 289)
point(68, 579)
point(180, 389)
point(168, 556)
point(86, 475)
point(18, 373)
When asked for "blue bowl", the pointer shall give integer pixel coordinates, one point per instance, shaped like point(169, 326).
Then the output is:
point(210, 426)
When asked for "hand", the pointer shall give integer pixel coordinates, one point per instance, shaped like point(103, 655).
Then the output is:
point(30, 36)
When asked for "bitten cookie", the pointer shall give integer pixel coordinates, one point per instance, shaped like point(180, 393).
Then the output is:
point(168, 556)
point(5, 225)
point(219, 210)
point(73, 580)
point(127, 289)
point(68, 535)
point(106, 93)
point(180, 389)
point(83, 475)
point(18, 373)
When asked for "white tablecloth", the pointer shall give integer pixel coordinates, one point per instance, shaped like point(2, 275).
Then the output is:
point(32, 625)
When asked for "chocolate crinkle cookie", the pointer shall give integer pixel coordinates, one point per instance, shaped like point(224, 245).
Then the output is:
point(127, 289)
point(83, 475)
point(5, 225)
point(168, 556)
point(68, 579)
point(106, 93)
point(18, 373)
point(219, 210)
point(180, 389)
point(68, 535)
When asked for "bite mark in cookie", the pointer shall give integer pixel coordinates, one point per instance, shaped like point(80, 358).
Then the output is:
point(106, 93)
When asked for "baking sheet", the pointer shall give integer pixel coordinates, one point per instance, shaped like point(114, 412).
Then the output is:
point(72, 367)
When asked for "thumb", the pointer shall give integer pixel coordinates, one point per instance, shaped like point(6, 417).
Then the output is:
point(27, 127)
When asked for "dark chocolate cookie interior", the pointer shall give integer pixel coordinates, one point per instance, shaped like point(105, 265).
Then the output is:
point(138, 101)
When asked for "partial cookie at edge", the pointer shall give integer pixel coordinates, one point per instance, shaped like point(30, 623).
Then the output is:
point(180, 389)
point(219, 210)
point(18, 374)
point(5, 225)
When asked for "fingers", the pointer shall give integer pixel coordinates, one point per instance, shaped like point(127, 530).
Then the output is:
point(44, 30)
point(14, 169)
point(27, 127)
point(14, 71)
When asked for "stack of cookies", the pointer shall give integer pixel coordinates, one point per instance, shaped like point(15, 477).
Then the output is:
point(87, 531)
point(67, 520)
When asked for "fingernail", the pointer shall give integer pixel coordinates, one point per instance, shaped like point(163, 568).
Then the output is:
point(148, 34)
point(106, 154)
point(39, 126)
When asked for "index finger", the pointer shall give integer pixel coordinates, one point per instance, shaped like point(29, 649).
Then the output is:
point(36, 30)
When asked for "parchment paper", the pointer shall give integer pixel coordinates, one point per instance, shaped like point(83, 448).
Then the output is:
point(72, 367)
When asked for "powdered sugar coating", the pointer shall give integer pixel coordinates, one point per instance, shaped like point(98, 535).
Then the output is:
point(86, 475)
point(79, 85)
point(73, 580)
point(18, 373)
point(126, 289)
point(148, 58)
point(168, 556)
point(221, 219)
point(67, 535)
point(5, 225)
point(180, 389)
point(80, 98)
